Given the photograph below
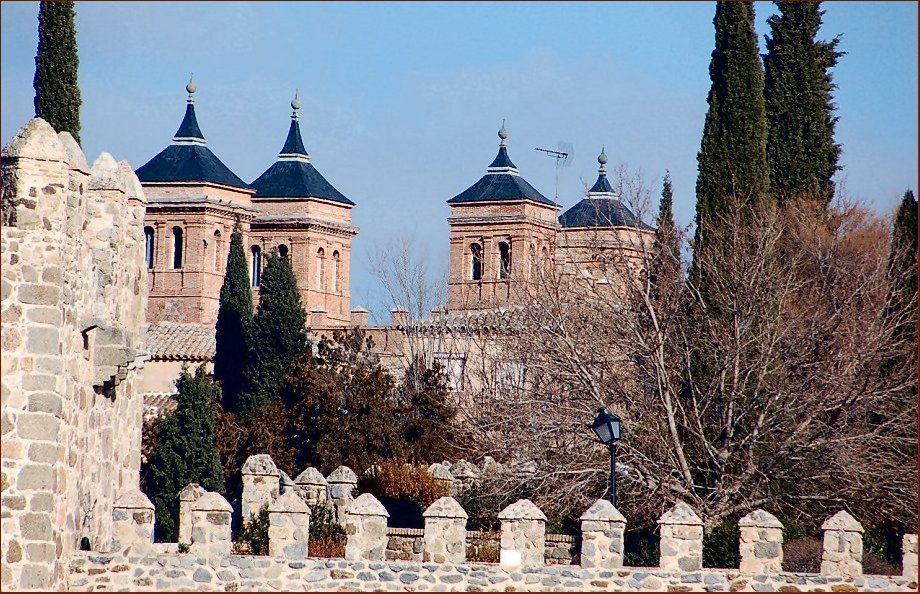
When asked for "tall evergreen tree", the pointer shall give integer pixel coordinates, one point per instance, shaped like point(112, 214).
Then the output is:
point(278, 337)
point(234, 323)
point(801, 151)
point(666, 266)
point(903, 263)
point(57, 94)
point(732, 159)
point(185, 451)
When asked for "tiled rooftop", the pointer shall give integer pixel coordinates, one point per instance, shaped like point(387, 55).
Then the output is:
point(172, 341)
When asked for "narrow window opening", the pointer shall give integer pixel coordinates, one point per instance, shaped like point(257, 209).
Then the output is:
point(476, 261)
point(217, 251)
point(283, 250)
point(149, 245)
point(335, 272)
point(256, 265)
point(177, 247)
point(504, 255)
point(320, 265)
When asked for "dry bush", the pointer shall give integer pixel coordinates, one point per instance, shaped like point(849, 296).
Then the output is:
point(327, 547)
point(398, 480)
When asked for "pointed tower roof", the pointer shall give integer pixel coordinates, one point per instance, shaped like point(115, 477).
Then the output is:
point(292, 175)
point(502, 181)
point(188, 159)
point(602, 206)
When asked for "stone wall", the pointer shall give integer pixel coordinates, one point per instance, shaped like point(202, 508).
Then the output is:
point(74, 294)
point(405, 544)
point(442, 556)
point(245, 573)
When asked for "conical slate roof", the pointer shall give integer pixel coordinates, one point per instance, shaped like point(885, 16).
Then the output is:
point(501, 181)
point(188, 159)
point(292, 175)
point(602, 206)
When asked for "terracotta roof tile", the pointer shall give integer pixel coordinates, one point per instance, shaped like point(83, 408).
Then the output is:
point(172, 341)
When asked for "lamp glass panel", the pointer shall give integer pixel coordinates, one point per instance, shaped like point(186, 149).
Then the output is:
point(602, 429)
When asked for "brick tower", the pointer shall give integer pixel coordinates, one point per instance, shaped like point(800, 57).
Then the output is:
point(303, 216)
point(193, 200)
point(499, 228)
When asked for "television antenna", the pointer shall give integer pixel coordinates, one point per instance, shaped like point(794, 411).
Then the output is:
point(563, 158)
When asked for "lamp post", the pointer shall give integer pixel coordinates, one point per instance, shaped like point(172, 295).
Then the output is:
point(607, 428)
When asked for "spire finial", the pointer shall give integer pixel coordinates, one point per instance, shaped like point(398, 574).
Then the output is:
point(602, 159)
point(191, 87)
point(503, 135)
point(295, 105)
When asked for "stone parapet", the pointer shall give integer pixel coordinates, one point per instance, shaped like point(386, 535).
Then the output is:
point(132, 520)
point(366, 529)
point(681, 539)
point(445, 532)
point(74, 294)
point(761, 545)
point(261, 485)
point(523, 531)
point(211, 517)
point(172, 572)
point(311, 485)
point(843, 546)
point(341, 485)
point(909, 558)
point(288, 527)
point(602, 528)
point(189, 494)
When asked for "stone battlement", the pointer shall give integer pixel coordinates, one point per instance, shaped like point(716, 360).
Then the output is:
point(74, 293)
point(444, 565)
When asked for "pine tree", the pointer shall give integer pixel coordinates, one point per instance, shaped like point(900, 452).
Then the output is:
point(234, 323)
point(185, 450)
point(278, 334)
point(57, 94)
point(801, 151)
point(732, 158)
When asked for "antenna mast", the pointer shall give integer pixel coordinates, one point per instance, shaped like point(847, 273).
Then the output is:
point(560, 159)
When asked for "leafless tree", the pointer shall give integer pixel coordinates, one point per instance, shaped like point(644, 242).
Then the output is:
point(772, 378)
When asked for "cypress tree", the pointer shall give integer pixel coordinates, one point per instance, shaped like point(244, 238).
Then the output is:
point(665, 268)
point(278, 335)
point(801, 151)
point(732, 159)
point(185, 450)
point(234, 323)
point(57, 95)
point(903, 262)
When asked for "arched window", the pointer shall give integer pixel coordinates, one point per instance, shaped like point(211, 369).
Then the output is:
point(504, 257)
point(177, 247)
point(335, 271)
point(320, 267)
point(149, 246)
point(283, 250)
point(217, 250)
point(256, 265)
point(475, 261)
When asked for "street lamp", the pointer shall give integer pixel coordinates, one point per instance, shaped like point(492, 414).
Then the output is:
point(607, 428)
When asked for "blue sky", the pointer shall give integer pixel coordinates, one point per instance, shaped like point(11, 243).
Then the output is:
point(402, 101)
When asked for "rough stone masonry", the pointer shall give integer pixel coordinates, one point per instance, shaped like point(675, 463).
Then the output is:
point(74, 292)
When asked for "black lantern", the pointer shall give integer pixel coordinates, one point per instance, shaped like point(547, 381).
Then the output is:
point(607, 427)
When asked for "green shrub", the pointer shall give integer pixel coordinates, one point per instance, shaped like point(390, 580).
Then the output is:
point(641, 548)
point(720, 546)
point(327, 537)
point(252, 538)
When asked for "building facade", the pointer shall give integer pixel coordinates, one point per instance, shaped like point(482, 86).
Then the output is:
point(506, 238)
